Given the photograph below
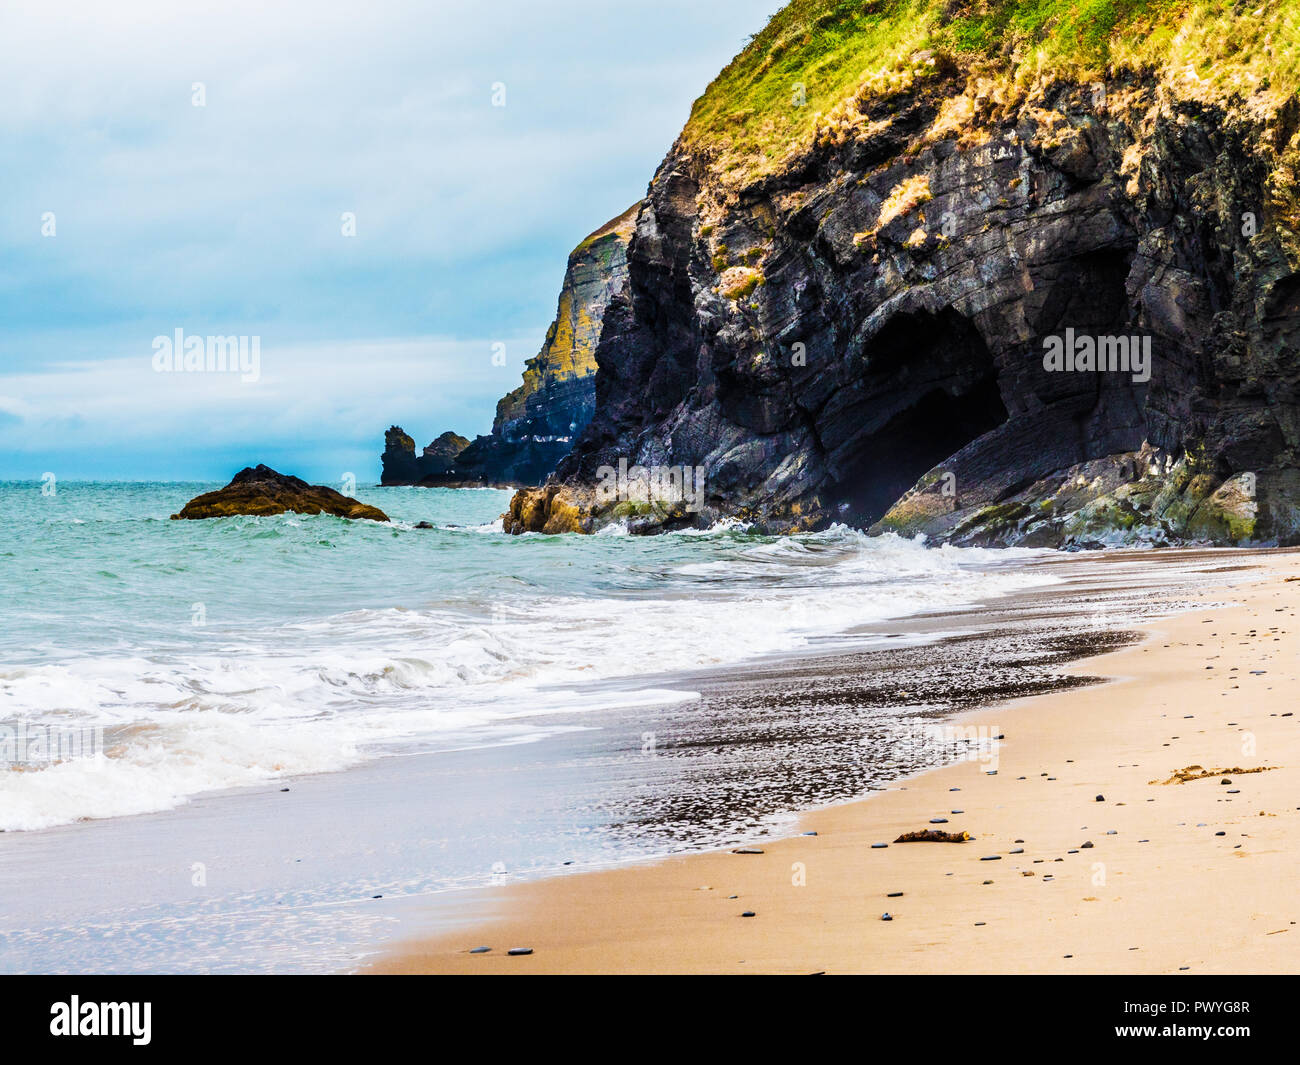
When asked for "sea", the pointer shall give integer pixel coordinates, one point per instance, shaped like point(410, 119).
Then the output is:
point(175, 658)
point(291, 743)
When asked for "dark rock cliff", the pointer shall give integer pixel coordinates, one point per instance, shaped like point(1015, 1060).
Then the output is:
point(859, 335)
point(537, 423)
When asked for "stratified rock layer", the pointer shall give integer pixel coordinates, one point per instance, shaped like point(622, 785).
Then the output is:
point(260, 490)
point(536, 424)
point(859, 334)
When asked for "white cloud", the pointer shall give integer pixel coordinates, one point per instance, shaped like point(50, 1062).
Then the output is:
point(226, 218)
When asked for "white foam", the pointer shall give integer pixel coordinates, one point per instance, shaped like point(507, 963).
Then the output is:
point(321, 695)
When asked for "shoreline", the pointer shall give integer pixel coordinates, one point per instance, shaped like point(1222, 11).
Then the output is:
point(1053, 905)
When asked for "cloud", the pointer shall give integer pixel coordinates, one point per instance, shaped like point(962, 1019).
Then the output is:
point(311, 399)
point(227, 218)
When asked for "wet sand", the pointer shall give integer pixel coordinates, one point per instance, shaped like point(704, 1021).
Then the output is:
point(1152, 877)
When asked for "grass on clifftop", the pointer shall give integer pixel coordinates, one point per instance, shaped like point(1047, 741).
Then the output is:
point(815, 57)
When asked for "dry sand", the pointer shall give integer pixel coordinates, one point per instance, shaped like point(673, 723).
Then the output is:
point(1198, 876)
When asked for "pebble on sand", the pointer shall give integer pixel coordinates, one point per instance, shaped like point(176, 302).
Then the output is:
point(480, 950)
point(747, 850)
point(519, 951)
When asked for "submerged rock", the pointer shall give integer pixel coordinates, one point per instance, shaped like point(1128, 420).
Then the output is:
point(261, 490)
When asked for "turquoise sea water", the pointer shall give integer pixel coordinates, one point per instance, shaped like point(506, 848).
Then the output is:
point(225, 653)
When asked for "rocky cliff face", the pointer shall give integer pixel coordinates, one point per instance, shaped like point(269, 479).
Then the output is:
point(537, 423)
point(867, 328)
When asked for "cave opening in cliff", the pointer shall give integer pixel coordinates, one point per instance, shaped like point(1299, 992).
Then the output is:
point(932, 389)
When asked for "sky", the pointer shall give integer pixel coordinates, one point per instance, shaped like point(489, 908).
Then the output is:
point(381, 193)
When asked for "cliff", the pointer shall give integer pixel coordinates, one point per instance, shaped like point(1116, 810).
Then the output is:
point(536, 424)
point(998, 273)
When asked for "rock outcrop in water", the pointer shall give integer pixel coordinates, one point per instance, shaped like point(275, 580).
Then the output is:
point(436, 465)
point(536, 424)
point(852, 315)
point(260, 490)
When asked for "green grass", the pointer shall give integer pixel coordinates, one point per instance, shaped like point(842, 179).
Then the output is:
point(816, 60)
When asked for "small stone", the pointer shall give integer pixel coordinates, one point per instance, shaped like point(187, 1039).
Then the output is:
point(1101, 798)
point(519, 951)
point(1086, 846)
point(879, 846)
point(480, 950)
point(747, 850)
point(809, 833)
point(938, 820)
point(979, 924)
point(749, 913)
point(1018, 850)
point(991, 858)
point(1220, 833)
point(885, 917)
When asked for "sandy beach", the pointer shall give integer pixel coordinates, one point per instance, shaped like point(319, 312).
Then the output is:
point(1086, 856)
